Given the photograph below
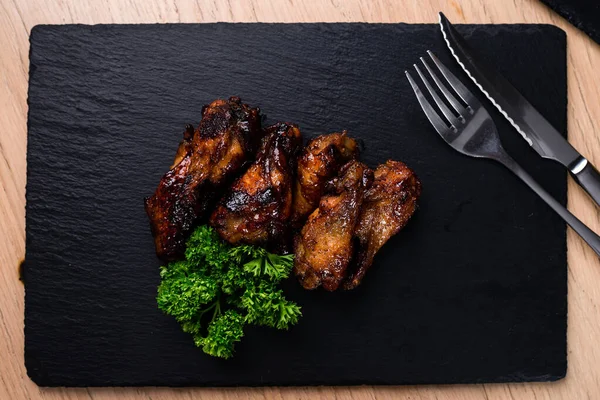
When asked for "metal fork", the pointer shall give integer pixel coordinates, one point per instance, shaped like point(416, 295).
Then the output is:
point(472, 131)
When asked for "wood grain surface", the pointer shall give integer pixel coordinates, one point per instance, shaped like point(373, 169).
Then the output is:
point(17, 17)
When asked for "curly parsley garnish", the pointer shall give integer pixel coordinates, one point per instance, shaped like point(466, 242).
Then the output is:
point(218, 289)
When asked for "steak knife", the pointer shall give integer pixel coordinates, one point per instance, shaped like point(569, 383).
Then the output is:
point(532, 126)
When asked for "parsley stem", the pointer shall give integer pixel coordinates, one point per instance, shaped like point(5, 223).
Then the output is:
point(217, 309)
point(213, 305)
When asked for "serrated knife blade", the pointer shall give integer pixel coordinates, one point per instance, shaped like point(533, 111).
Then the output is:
point(532, 126)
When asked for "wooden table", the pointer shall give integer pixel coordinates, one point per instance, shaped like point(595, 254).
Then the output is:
point(17, 17)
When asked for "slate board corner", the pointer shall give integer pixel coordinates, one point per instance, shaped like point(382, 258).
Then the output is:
point(34, 369)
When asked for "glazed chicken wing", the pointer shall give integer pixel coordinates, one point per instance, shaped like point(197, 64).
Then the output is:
point(257, 208)
point(388, 205)
point(206, 161)
point(325, 245)
point(319, 162)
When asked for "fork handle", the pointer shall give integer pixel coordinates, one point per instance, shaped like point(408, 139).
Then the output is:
point(586, 233)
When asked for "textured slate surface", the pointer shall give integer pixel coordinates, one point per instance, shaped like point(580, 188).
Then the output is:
point(473, 290)
point(584, 14)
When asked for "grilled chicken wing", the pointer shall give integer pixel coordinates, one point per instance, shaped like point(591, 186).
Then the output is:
point(257, 208)
point(325, 245)
point(388, 205)
point(206, 161)
point(319, 162)
point(185, 146)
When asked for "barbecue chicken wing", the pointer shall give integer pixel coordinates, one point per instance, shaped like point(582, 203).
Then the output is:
point(325, 245)
point(206, 161)
point(257, 208)
point(388, 205)
point(319, 162)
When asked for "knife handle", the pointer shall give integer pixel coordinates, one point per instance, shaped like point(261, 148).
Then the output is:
point(588, 178)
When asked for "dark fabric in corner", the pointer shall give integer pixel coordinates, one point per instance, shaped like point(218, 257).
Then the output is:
point(584, 14)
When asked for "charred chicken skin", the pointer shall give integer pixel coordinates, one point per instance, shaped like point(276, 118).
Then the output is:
point(388, 205)
point(207, 160)
point(325, 246)
point(320, 161)
point(257, 208)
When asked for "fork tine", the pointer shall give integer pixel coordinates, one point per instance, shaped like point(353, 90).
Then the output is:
point(462, 91)
point(447, 93)
point(445, 110)
point(439, 125)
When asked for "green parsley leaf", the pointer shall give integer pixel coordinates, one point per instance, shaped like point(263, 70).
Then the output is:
point(267, 306)
point(223, 332)
point(218, 289)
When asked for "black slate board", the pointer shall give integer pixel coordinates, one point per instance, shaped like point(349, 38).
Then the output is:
point(583, 14)
point(473, 290)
